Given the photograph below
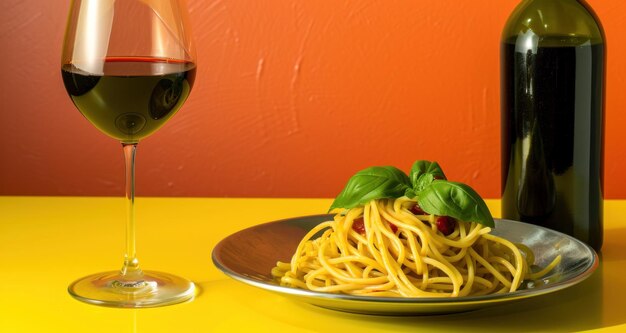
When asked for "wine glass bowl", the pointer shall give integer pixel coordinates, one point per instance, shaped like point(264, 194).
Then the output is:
point(129, 66)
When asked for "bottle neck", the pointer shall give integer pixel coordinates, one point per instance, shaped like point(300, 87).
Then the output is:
point(555, 19)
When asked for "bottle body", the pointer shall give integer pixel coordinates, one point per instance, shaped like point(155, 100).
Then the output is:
point(553, 77)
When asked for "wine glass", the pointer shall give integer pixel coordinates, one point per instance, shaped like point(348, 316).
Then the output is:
point(128, 66)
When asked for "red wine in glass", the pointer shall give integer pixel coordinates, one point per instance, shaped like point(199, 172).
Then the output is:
point(134, 96)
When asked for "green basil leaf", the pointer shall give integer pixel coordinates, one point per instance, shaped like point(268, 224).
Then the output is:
point(372, 183)
point(410, 193)
point(420, 168)
point(424, 180)
point(454, 199)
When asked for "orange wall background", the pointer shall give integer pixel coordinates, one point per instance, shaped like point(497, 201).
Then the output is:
point(291, 98)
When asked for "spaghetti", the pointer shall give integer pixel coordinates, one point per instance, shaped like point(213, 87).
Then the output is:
point(397, 253)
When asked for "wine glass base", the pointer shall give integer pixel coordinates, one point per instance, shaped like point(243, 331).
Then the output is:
point(151, 289)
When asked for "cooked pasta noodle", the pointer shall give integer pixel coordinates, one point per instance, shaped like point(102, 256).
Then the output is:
point(400, 254)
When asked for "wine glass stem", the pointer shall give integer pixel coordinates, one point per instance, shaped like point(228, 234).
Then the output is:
point(131, 268)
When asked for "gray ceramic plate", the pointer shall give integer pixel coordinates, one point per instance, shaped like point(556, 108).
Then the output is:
point(250, 254)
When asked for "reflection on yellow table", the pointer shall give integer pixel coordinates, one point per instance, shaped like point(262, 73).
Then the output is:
point(46, 243)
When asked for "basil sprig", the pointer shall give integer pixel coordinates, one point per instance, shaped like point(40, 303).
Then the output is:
point(422, 174)
point(426, 183)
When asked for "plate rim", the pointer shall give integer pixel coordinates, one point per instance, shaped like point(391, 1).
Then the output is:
point(586, 271)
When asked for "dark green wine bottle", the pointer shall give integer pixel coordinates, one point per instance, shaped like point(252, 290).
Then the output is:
point(552, 92)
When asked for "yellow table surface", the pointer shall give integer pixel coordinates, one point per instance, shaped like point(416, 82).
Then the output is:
point(47, 242)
